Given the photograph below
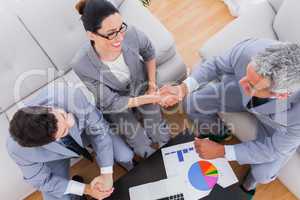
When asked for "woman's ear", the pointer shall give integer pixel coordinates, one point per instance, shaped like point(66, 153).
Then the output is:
point(90, 35)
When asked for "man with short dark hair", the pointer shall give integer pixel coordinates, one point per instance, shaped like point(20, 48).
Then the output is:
point(56, 126)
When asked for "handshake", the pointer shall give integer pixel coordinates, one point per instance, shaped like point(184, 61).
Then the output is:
point(101, 187)
point(166, 96)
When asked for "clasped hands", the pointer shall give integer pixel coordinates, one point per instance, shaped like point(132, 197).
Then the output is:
point(167, 95)
point(101, 187)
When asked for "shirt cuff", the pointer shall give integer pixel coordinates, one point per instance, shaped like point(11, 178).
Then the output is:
point(230, 153)
point(106, 170)
point(75, 187)
point(191, 84)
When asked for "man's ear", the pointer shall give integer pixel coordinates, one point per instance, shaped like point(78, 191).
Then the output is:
point(282, 96)
point(90, 35)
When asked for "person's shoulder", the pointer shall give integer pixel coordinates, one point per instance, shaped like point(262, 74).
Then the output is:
point(132, 34)
point(256, 43)
point(131, 30)
point(251, 46)
point(80, 57)
point(12, 146)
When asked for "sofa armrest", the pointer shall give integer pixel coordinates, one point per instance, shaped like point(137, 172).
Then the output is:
point(116, 3)
point(134, 13)
point(256, 21)
point(288, 172)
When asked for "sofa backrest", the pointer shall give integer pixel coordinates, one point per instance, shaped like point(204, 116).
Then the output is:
point(35, 43)
point(23, 66)
point(117, 3)
point(286, 22)
point(160, 37)
point(276, 4)
point(12, 185)
point(56, 26)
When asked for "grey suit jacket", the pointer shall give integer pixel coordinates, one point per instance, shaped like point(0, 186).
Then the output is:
point(279, 135)
point(110, 94)
point(90, 128)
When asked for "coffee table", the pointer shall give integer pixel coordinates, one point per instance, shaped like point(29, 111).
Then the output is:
point(152, 169)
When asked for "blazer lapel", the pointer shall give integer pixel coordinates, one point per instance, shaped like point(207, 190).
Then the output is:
point(129, 58)
point(105, 75)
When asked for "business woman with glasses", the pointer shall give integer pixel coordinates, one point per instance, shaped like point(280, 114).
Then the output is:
point(118, 67)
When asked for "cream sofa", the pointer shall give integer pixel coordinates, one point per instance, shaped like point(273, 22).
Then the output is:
point(38, 40)
point(275, 19)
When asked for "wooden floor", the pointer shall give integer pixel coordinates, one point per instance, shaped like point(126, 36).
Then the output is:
point(191, 22)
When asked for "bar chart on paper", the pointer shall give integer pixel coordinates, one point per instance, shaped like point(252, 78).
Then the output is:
point(198, 176)
point(203, 175)
point(180, 153)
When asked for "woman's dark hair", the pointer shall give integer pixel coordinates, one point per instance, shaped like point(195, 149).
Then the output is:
point(33, 126)
point(93, 12)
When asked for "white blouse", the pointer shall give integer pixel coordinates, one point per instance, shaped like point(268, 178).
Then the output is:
point(119, 69)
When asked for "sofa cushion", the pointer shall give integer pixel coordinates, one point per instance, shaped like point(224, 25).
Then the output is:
point(52, 86)
point(12, 185)
point(23, 65)
point(287, 24)
point(117, 3)
point(57, 27)
point(242, 123)
point(171, 71)
point(289, 175)
point(255, 21)
point(70, 79)
point(276, 4)
point(137, 15)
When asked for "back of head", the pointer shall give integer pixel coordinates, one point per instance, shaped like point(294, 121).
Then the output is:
point(93, 12)
point(33, 126)
point(281, 64)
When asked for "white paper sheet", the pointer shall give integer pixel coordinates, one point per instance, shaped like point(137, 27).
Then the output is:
point(181, 160)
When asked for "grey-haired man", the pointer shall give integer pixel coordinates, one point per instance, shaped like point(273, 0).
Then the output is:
point(259, 76)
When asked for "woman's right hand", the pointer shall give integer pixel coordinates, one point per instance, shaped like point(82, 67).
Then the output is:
point(97, 194)
point(104, 182)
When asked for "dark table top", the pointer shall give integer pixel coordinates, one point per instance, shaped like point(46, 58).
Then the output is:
point(152, 169)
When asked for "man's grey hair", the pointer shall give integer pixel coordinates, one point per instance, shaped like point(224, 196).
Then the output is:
point(281, 64)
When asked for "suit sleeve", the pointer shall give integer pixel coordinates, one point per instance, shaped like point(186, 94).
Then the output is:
point(217, 66)
point(41, 177)
point(279, 145)
point(146, 48)
point(96, 128)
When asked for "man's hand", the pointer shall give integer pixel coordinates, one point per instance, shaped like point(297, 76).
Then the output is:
point(96, 193)
point(102, 183)
point(170, 95)
point(208, 149)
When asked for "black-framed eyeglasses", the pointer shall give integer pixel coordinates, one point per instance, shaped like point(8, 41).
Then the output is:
point(114, 34)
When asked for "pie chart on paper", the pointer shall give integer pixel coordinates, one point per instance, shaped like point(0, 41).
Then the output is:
point(203, 175)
